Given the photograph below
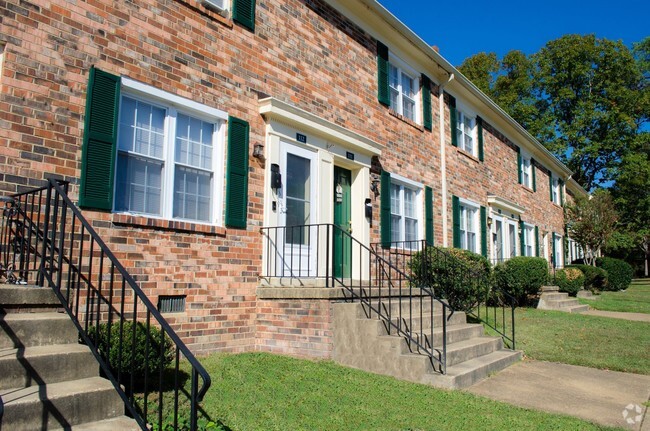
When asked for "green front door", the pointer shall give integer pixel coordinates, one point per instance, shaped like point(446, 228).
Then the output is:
point(342, 252)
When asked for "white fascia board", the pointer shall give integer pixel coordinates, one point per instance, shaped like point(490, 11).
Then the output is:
point(272, 108)
point(505, 204)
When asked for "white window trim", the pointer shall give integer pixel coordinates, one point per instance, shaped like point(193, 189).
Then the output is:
point(403, 67)
point(506, 221)
point(559, 251)
point(466, 111)
point(419, 197)
point(529, 228)
point(174, 104)
point(526, 157)
point(556, 189)
point(476, 222)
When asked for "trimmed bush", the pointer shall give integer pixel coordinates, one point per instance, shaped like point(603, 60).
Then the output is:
point(459, 276)
point(521, 276)
point(570, 280)
point(135, 357)
point(595, 278)
point(619, 272)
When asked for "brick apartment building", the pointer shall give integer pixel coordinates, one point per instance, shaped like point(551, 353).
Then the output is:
point(184, 129)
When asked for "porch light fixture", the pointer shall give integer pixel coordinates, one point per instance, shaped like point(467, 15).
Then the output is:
point(258, 151)
point(374, 186)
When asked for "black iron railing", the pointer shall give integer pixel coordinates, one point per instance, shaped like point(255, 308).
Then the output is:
point(330, 255)
point(463, 286)
point(47, 241)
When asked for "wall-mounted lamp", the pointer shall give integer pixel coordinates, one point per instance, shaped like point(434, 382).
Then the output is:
point(489, 221)
point(258, 151)
point(374, 186)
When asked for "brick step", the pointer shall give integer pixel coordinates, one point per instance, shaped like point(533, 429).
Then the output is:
point(60, 405)
point(36, 329)
point(467, 373)
point(121, 423)
point(29, 366)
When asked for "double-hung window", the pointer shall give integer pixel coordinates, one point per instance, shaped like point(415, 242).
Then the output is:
point(405, 212)
point(555, 190)
point(404, 88)
point(169, 160)
point(526, 171)
point(465, 132)
point(528, 237)
point(469, 219)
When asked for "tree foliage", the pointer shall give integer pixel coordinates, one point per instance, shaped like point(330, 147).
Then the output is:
point(583, 97)
point(591, 221)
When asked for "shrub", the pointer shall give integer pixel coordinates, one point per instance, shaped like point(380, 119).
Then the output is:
point(619, 272)
point(595, 278)
point(521, 276)
point(459, 276)
point(134, 357)
point(569, 280)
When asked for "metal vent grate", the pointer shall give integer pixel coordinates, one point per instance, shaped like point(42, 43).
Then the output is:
point(171, 304)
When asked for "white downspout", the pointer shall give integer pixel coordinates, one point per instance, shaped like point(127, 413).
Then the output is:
point(443, 158)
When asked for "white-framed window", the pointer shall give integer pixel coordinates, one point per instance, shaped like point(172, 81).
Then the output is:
point(169, 157)
point(555, 190)
point(526, 170)
point(574, 250)
point(528, 235)
point(466, 132)
point(469, 226)
point(404, 89)
point(505, 240)
point(406, 211)
point(559, 251)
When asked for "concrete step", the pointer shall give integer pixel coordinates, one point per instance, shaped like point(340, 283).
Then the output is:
point(27, 295)
point(473, 348)
point(416, 323)
point(549, 289)
point(121, 423)
point(554, 296)
point(29, 366)
point(563, 303)
point(455, 334)
point(467, 373)
point(60, 405)
point(578, 309)
point(394, 305)
point(36, 329)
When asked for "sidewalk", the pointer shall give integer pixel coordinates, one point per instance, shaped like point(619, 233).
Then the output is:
point(598, 396)
point(637, 317)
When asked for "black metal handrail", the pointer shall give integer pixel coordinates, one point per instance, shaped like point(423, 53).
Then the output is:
point(447, 274)
point(48, 241)
point(330, 254)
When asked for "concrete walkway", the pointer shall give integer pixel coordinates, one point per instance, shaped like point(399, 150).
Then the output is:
point(637, 317)
point(595, 395)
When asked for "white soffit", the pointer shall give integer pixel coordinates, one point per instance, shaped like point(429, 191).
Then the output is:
point(509, 206)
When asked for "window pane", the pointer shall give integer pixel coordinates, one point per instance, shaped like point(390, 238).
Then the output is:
point(139, 184)
point(395, 201)
point(192, 194)
point(394, 97)
point(298, 182)
point(410, 205)
point(409, 109)
point(396, 228)
point(394, 77)
point(297, 215)
point(471, 241)
point(411, 226)
point(194, 142)
point(513, 240)
point(407, 85)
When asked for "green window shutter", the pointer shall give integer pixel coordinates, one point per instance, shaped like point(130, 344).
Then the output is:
point(237, 173)
point(484, 237)
point(453, 120)
point(384, 212)
point(553, 250)
point(561, 183)
point(479, 129)
point(98, 150)
point(427, 117)
point(455, 208)
point(550, 185)
point(428, 214)
point(522, 239)
point(532, 168)
point(243, 12)
point(383, 90)
point(519, 171)
point(536, 241)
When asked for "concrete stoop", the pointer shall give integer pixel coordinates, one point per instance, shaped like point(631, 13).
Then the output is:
point(552, 299)
point(361, 340)
point(47, 379)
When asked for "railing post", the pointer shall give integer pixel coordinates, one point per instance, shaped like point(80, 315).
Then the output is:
point(46, 228)
point(512, 307)
point(327, 257)
point(59, 274)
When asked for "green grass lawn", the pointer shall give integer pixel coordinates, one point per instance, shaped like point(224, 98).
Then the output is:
point(591, 341)
point(258, 391)
point(636, 299)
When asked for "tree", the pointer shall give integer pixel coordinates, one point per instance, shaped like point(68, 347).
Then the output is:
point(586, 99)
point(591, 222)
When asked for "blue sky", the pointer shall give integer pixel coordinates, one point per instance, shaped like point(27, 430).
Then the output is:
point(462, 29)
